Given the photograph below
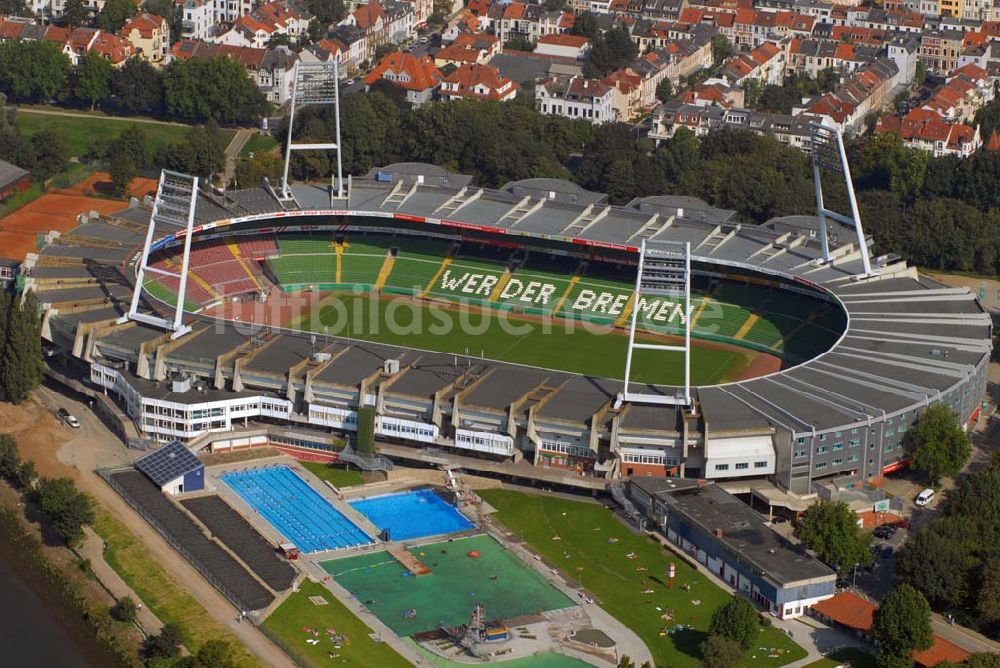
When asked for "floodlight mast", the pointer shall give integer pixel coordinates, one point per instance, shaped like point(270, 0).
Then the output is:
point(828, 153)
point(314, 83)
point(670, 276)
point(174, 206)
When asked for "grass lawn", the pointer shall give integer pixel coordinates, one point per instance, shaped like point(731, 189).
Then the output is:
point(82, 132)
point(164, 596)
point(584, 554)
point(852, 656)
point(298, 612)
point(511, 339)
point(33, 192)
point(258, 143)
point(335, 475)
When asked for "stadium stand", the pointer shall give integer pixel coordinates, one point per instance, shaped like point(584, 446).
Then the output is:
point(217, 565)
point(243, 540)
point(361, 261)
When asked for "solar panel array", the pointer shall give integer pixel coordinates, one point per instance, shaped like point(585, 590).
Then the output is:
point(168, 463)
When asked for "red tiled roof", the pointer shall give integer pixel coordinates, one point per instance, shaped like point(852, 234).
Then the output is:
point(994, 143)
point(421, 71)
point(941, 650)
point(849, 610)
point(576, 41)
point(459, 54)
point(368, 15)
point(11, 29)
point(144, 22)
point(468, 77)
point(112, 47)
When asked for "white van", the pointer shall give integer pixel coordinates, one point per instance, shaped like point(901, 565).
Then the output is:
point(924, 497)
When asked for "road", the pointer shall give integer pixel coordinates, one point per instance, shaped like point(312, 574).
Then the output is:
point(92, 447)
point(80, 114)
point(239, 140)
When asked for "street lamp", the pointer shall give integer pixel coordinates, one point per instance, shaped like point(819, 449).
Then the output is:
point(854, 578)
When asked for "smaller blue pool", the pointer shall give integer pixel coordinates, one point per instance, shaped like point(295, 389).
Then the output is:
point(412, 514)
point(295, 509)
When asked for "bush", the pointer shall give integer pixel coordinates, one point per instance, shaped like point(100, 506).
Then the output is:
point(124, 610)
point(165, 645)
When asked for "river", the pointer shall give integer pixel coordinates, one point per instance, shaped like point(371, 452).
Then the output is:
point(35, 631)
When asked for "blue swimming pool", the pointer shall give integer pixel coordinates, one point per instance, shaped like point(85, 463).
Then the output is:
point(295, 509)
point(412, 514)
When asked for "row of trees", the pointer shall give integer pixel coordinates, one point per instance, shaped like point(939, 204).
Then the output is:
point(188, 90)
point(20, 346)
point(955, 560)
point(44, 154)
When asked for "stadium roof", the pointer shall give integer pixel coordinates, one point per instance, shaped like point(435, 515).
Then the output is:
point(170, 462)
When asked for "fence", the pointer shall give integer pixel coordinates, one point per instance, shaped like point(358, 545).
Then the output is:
point(292, 653)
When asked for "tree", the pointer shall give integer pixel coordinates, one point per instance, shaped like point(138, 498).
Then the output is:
point(988, 119)
point(217, 88)
point(213, 654)
point(988, 601)
point(22, 350)
point(778, 99)
point(138, 88)
point(751, 92)
point(252, 171)
point(124, 610)
point(65, 508)
point(14, 8)
point(720, 652)
point(902, 622)
point(122, 170)
point(76, 13)
point(383, 50)
point(886, 163)
point(626, 662)
point(32, 71)
point(92, 78)
point(935, 563)
point(938, 445)
point(519, 44)
point(10, 458)
point(722, 48)
point(736, 620)
point(51, 152)
point(327, 11)
point(164, 645)
point(26, 476)
point(366, 431)
point(664, 90)
point(830, 529)
point(585, 25)
point(609, 52)
point(114, 14)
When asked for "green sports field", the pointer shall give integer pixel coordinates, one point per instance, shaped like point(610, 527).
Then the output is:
point(560, 345)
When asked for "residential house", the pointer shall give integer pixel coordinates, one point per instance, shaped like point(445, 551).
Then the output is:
point(415, 75)
point(866, 91)
point(713, 92)
point(790, 130)
point(114, 48)
point(271, 69)
point(940, 49)
point(812, 56)
point(382, 23)
point(626, 94)
point(257, 28)
point(765, 64)
point(479, 82)
point(576, 98)
point(150, 35)
point(926, 130)
point(197, 19)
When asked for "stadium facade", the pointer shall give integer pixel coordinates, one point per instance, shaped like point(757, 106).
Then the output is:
point(907, 342)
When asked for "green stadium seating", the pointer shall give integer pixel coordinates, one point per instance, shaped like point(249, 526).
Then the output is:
point(362, 261)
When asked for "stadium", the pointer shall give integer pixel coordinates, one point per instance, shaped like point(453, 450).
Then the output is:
point(488, 329)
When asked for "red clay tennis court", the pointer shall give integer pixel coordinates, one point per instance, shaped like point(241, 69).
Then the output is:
point(19, 230)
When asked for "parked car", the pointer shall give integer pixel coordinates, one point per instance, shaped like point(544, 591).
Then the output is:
point(885, 531)
point(886, 552)
point(68, 418)
point(924, 497)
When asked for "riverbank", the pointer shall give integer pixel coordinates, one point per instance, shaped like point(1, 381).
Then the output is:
point(66, 612)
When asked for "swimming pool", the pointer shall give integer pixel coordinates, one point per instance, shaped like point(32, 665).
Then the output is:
point(295, 509)
point(412, 514)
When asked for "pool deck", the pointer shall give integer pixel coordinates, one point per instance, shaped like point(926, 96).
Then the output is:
point(551, 634)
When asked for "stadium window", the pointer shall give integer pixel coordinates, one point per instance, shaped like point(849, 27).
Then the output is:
point(838, 446)
point(854, 431)
point(822, 437)
point(837, 435)
point(853, 443)
point(821, 465)
point(888, 447)
point(852, 458)
point(802, 440)
point(871, 462)
point(742, 466)
point(821, 449)
point(760, 465)
point(722, 467)
point(801, 454)
point(838, 462)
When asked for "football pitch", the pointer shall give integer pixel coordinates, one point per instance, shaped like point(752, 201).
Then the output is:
point(560, 345)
